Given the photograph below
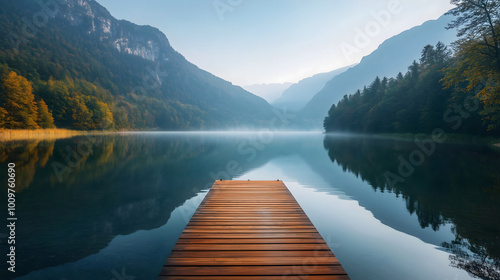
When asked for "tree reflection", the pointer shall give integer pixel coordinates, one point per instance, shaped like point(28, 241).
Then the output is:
point(472, 258)
point(118, 185)
point(456, 184)
point(28, 156)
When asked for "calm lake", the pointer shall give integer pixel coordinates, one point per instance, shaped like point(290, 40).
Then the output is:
point(112, 207)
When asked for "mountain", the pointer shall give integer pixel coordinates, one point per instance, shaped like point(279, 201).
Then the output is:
point(83, 62)
point(269, 92)
point(391, 57)
point(297, 95)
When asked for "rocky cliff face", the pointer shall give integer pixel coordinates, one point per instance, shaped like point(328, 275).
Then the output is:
point(92, 18)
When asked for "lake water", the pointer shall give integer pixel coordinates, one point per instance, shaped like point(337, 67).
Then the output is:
point(112, 207)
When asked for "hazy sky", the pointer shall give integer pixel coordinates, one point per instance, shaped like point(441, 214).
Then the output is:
point(274, 41)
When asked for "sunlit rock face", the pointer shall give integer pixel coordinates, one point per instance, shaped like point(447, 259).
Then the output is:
point(143, 41)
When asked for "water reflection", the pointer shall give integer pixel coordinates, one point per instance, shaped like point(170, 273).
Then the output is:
point(28, 156)
point(124, 199)
point(109, 186)
point(457, 183)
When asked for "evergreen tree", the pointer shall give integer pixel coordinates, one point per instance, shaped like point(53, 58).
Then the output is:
point(417, 102)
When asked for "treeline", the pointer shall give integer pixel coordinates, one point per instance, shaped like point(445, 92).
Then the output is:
point(419, 101)
point(23, 107)
point(82, 105)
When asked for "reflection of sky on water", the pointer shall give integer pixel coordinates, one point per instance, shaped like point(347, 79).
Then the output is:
point(127, 255)
point(354, 234)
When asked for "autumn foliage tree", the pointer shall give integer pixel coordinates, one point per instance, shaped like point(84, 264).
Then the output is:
point(102, 116)
point(3, 116)
point(478, 21)
point(81, 115)
point(477, 65)
point(18, 108)
point(45, 119)
point(18, 100)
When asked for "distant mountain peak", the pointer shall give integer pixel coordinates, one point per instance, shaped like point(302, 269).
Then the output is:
point(270, 91)
point(297, 95)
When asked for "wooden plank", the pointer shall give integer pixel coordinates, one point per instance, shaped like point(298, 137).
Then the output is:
point(229, 235)
point(247, 228)
point(264, 270)
point(247, 261)
point(250, 247)
point(294, 277)
point(242, 241)
point(250, 223)
point(257, 230)
point(242, 216)
point(251, 230)
point(238, 254)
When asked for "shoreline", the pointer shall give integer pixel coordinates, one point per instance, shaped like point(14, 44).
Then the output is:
point(7, 135)
point(61, 133)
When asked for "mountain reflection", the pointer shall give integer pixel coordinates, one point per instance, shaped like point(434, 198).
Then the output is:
point(457, 183)
point(115, 186)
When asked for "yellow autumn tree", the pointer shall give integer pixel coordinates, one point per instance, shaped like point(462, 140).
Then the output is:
point(3, 116)
point(479, 73)
point(82, 116)
point(102, 116)
point(18, 100)
point(45, 119)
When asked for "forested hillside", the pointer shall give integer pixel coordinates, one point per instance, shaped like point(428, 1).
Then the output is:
point(457, 92)
point(391, 57)
point(95, 72)
point(417, 102)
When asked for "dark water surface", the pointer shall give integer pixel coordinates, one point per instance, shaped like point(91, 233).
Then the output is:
point(112, 207)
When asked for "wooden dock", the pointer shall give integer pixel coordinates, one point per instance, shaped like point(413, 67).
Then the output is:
point(251, 230)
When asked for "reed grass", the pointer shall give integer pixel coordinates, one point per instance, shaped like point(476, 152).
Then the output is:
point(38, 134)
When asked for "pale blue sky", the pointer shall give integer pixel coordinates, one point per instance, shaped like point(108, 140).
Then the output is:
point(274, 41)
